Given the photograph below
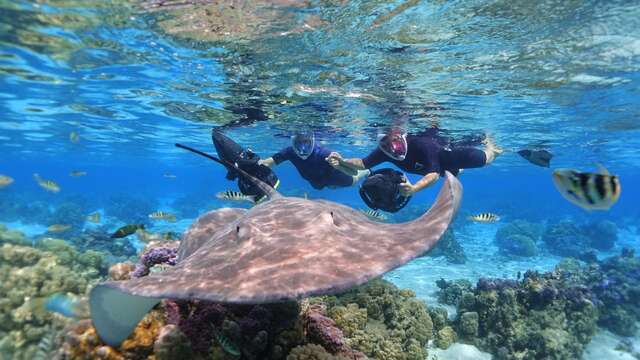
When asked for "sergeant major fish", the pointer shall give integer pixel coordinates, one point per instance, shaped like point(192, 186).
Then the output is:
point(235, 196)
point(590, 191)
point(77, 173)
point(537, 157)
point(94, 218)
point(162, 215)
point(374, 214)
point(58, 228)
point(485, 217)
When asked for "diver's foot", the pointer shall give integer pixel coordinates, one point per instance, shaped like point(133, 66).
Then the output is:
point(491, 149)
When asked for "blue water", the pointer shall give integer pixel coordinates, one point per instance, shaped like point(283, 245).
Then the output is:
point(559, 75)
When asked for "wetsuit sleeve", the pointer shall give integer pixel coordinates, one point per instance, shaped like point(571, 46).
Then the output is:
point(282, 155)
point(375, 158)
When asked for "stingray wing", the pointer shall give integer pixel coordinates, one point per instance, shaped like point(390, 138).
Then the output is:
point(281, 250)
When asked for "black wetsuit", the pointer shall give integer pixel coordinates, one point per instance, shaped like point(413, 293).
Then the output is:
point(426, 154)
point(315, 168)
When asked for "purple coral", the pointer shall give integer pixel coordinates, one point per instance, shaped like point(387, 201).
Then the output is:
point(196, 320)
point(155, 256)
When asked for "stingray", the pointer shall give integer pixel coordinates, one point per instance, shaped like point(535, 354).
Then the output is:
point(283, 249)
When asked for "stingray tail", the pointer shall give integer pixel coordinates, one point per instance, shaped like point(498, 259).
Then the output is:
point(115, 314)
point(265, 188)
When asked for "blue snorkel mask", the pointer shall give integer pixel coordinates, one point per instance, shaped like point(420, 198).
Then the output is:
point(303, 144)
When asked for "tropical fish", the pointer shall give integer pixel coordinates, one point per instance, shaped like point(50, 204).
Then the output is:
point(485, 217)
point(58, 228)
point(590, 191)
point(169, 176)
point(162, 215)
point(94, 218)
point(74, 137)
point(235, 196)
point(48, 185)
point(226, 344)
point(66, 305)
point(77, 173)
point(537, 157)
point(147, 237)
point(126, 230)
point(5, 181)
point(374, 214)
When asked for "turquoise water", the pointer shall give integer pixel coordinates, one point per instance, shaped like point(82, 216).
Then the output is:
point(131, 79)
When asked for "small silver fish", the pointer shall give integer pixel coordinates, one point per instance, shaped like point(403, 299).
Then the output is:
point(485, 218)
point(235, 196)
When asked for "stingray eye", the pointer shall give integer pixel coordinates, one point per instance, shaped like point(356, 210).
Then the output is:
point(331, 213)
point(237, 229)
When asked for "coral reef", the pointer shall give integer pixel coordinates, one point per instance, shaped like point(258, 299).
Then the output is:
point(551, 315)
point(155, 256)
point(450, 248)
point(518, 238)
point(27, 276)
point(12, 236)
point(567, 238)
point(100, 239)
point(398, 325)
point(603, 234)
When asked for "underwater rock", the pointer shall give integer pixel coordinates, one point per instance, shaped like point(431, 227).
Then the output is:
point(566, 238)
point(603, 234)
point(450, 248)
point(518, 238)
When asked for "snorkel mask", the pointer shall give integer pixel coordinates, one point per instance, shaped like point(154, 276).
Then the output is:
point(303, 144)
point(393, 144)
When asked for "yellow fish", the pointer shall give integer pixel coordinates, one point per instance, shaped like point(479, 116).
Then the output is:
point(74, 137)
point(374, 214)
point(94, 218)
point(147, 237)
point(77, 173)
point(590, 191)
point(5, 181)
point(235, 196)
point(58, 228)
point(48, 185)
point(485, 218)
point(161, 215)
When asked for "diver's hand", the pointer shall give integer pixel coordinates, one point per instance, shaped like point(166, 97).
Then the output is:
point(406, 189)
point(334, 159)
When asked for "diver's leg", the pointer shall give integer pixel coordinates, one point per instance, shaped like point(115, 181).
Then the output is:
point(361, 174)
point(491, 150)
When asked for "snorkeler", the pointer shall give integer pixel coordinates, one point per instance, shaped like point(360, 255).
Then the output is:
point(310, 161)
point(423, 155)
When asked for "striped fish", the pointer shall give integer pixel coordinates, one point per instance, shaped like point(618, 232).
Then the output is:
point(590, 191)
point(235, 196)
point(374, 214)
point(163, 215)
point(484, 217)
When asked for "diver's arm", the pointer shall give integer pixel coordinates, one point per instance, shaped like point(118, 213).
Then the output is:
point(269, 162)
point(347, 166)
point(426, 181)
point(408, 189)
